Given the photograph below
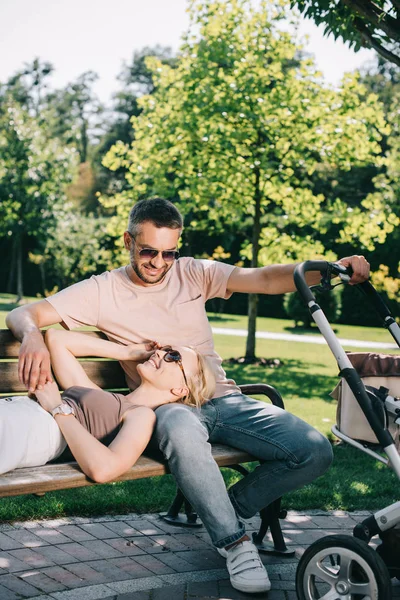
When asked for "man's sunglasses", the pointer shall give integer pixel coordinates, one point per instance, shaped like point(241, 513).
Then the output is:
point(174, 356)
point(150, 253)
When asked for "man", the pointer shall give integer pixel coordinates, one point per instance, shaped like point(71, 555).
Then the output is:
point(157, 297)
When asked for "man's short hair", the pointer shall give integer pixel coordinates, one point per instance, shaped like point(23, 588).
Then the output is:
point(160, 212)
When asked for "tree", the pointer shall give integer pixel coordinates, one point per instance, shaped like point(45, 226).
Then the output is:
point(370, 23)
point(34, 172)
point(28, 87)
point(74, 113)
point(237, 129)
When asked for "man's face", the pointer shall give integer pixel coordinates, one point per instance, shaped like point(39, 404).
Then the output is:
point(151, 271)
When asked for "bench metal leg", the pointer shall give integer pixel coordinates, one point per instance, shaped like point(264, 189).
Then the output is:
point(270, 520)
point(174, 517)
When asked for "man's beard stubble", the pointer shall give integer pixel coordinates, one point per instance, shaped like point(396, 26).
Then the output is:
point(143, 277)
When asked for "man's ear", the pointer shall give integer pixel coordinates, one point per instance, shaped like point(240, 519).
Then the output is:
point(127, 240)
point(180, 392)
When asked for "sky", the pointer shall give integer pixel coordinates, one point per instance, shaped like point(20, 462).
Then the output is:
point(98, 35)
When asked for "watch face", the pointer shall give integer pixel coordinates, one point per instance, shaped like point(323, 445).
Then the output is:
point(63, 409)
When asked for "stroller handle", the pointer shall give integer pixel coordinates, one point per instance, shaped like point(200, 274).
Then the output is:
point(325, 268)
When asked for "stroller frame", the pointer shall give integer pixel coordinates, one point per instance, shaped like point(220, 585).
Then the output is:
point(385, 519)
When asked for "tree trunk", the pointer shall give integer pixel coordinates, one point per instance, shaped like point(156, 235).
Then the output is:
point(84, 142)
point(253, 298)
point(20, 287)
point(11, 274)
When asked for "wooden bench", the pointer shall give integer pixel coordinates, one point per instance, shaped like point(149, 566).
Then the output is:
point(109, 375)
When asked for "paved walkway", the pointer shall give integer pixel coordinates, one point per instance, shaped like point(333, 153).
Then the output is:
point(139, 557)
point(305, 339)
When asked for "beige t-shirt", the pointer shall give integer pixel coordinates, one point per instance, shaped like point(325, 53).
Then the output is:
point(171, 312)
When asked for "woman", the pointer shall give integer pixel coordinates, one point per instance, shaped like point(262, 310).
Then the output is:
point(106, 433)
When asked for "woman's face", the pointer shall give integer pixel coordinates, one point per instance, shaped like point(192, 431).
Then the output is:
point(168, 375)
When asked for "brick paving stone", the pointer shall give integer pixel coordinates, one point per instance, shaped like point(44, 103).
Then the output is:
point(122, 529)
point(32, 558)
point(56, 523)
point(227, 592)
point(146, 527)
point(345, 521)
point(191, 541)
point(6, 527)
point(52, 536)
point(9, 543)
point(203, 588)
point(175, 562)
point(177, 592)
point(126, 547)
point(41, 581)
point(205, 537)
point(11, 564)
point(325, 522)
point(111, 572)
point(131, 566)
point(202, 560)
point(283, 585)
point(6, 594)
point(302, 521)
point(153, 564)
point(17, 585)
point(171, 542)
point(148, 545)
point(65, 576)
point(78, 551)
point(26, 538)
point(101, 549)
point(75, 533)
point(134, 596)
point(98, 531)
point(87, 574)
point(57, 555)
point(168, 528)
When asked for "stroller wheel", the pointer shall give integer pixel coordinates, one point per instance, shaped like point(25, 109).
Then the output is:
point(341, 567)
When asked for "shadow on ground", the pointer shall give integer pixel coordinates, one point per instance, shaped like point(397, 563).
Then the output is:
point(293, 378)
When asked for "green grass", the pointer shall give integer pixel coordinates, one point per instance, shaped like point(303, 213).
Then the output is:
point(305, 379)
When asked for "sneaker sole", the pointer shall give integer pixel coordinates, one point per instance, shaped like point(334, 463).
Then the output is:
point(251, 589)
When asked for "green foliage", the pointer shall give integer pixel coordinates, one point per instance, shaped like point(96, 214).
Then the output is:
point(76, 247)
point(239, 126)
point(370, 23)
point(330, 302)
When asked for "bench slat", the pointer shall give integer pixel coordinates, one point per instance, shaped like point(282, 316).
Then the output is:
point(62, 476)
point(9, 346)
point(106, 374)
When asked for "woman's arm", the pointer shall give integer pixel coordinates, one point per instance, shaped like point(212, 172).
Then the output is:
point(65, 346)
point(98, 462)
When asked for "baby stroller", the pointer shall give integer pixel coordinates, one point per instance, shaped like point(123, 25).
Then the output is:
point(342, 566)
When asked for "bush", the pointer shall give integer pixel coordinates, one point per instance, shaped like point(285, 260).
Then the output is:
point(330, 302)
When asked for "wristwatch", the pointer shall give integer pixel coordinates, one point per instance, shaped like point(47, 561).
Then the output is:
point(63, 409)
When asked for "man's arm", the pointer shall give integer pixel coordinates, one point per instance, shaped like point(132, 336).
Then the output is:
point(278, 279)
point(34, 358)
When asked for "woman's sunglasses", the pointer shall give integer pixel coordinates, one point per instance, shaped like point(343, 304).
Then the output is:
point(150, 253)
point(174, 356)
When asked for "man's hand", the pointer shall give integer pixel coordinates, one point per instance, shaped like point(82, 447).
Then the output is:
point(360, 268)
point(34, 362)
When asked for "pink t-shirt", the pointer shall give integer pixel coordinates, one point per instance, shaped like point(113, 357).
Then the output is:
point(171, 312)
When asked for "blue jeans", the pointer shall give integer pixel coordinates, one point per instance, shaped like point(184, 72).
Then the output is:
point(293, 451)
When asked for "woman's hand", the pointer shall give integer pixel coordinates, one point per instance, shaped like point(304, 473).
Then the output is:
point(49, 397)
point(139, 352)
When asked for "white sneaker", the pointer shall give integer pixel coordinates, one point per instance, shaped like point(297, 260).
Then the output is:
point(246, 571)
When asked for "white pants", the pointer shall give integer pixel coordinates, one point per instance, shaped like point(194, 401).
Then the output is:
point(29, 436)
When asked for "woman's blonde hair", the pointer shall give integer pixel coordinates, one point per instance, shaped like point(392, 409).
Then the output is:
point(202, 385)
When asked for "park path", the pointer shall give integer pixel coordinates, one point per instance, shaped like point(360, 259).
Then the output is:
point(306, 339)
point(140, 557)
